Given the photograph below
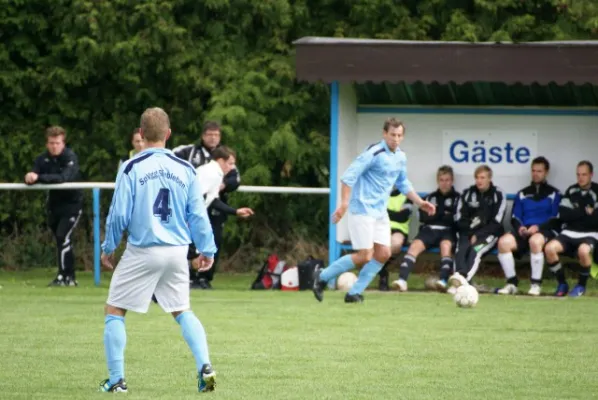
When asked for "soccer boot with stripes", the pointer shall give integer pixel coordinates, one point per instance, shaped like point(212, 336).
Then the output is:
point(206, 381)
point(577, 291)
point(118, 387)
point(508, 289)
point(353, 298)
point(318, 285)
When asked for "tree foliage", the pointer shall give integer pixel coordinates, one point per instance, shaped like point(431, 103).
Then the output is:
point(93, 66)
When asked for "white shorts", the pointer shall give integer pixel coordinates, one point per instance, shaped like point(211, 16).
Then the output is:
point(143, 272)
point(364, 231)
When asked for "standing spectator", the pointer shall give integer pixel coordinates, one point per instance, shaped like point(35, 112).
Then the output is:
point(138, 146)
point(59, 164)
point(198, 154)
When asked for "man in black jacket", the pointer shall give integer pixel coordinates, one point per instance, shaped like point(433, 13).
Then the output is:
point(578, 211)
point(479, 218)
point(59, 164)
point(199, 154)
point(436, 230)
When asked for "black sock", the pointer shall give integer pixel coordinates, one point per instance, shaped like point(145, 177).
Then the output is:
point(446, 267)
point(584, 274)
point(514, 280)
point(406, 267)
point(384, 270)
point(558, 271)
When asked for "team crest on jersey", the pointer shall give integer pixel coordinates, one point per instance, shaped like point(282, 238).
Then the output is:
point(448, 202)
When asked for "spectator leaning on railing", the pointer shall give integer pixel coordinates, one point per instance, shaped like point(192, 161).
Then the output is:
point(59, 164)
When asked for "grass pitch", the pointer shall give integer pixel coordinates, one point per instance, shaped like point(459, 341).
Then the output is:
point(282, 345)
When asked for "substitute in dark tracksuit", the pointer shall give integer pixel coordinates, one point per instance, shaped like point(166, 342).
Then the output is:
point(479, 218)
point(578, 238)
point(199, 154)
point(59, 164)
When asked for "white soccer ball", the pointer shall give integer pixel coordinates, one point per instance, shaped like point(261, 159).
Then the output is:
point(345, 281)
point(466, 296)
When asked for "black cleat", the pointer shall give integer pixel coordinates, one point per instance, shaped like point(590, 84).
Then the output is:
point(353, 298)
point(206, 381)
point(120, 386)
point(58, 281)
point(319, 286)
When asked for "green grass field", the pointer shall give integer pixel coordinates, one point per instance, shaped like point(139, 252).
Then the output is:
point(285, 345)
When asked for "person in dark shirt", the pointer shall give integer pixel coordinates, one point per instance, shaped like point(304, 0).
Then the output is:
point(578, 213)
point(533, 207)
point(437, 230)
point(479, 218)
point(59, 164)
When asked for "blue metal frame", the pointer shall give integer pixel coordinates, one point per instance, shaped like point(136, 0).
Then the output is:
point(96, 235)
point(333, 245)
point(478, 111)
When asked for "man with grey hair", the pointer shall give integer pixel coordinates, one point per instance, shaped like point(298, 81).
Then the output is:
point(159, 202)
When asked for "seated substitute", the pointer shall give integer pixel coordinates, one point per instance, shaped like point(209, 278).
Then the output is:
point(437, 230)
point(579, 236)
point(533, 208)
point(399, 212)
point(479, 218)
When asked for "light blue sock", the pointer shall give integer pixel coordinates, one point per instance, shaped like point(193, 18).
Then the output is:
point(343, 264)
point(115, 340)
point(366, 276)
point(195, 336)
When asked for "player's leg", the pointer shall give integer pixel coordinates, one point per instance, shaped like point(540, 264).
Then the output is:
point(361, 233)
point(53, 221)
point(66, 256)
point(461, 267)
point(446, 261)
point(172, 292)
point(483, 243)
point(131, 288)
point(208, 275)
point(115, 341)
point(397, 239)
point(417, 247)
point(584, 255)
point(536, 245)
point(507, 244)
point(381, 254)
point(552, 250)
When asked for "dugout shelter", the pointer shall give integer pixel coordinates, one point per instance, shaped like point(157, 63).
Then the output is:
point(463, 104)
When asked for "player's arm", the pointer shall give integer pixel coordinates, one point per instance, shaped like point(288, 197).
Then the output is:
point(463, 214)
point(403, 214)
point(231, 181)
point(500, 207)
point(70, 169)
point(568, 212)
point(183, 151)
point(199, 224)
point(349, 178)
point(119, 215)
point(517, 213)
point(32, 176)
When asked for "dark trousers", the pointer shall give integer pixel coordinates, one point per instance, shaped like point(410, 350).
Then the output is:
point(217, 222)
point(62, 226)
point(469, 255)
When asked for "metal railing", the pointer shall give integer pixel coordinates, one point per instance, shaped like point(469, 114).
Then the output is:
point(97, 186)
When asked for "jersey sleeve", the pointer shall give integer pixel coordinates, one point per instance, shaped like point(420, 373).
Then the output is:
point(357, 168)
point(199, 224)
point(119, 215)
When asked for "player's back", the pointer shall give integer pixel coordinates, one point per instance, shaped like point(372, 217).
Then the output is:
point(159, 182)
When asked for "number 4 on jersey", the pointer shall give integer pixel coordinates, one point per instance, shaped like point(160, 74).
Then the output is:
point(161, 204)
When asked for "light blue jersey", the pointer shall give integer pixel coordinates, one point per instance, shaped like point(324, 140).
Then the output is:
point(159, 201)
point(372, 176)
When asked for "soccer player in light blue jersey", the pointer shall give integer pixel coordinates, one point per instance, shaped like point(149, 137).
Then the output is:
point(366, 188)
point(159, 202)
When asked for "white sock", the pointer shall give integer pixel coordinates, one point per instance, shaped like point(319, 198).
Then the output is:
point(537, 264)
point(507, 262)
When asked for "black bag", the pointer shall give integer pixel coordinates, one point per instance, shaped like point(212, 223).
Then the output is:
point(306, 272)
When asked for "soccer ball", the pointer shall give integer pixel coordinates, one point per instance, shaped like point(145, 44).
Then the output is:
point(345, 281)
point(466, 296)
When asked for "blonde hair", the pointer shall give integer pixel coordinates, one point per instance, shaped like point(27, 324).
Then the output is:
point(154, 124)
point(483, 168)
